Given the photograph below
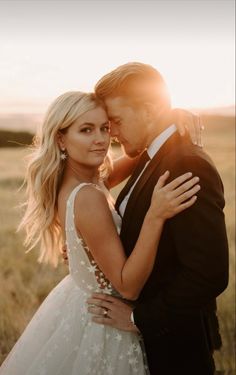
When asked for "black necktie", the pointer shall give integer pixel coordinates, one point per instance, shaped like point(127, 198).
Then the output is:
point(144, 158)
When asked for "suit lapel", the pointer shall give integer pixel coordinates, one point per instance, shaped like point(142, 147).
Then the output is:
point(143, 160)
point(132, 204)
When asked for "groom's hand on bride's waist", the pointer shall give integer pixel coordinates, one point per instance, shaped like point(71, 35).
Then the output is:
point(111, 311)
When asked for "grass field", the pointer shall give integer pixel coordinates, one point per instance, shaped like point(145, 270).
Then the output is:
point(25, 283)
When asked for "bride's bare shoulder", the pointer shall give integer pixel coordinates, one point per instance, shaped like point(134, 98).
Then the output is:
point(90, 195)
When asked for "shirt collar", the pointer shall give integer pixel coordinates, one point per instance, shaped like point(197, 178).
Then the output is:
point(160, 140)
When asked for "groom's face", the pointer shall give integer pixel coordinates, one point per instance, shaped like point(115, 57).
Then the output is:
point(128, 124)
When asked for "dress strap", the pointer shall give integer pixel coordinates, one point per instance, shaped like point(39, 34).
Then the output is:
point(73, 193)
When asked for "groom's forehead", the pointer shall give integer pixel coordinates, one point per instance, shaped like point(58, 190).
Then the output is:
point(115, 105)
point(118, 103)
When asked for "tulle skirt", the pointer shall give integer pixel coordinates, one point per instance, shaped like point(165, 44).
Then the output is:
point(61, 339)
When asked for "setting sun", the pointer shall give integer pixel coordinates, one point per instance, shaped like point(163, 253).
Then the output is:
point(45, 54)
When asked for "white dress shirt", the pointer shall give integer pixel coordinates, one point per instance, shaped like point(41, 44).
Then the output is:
point(151, 150)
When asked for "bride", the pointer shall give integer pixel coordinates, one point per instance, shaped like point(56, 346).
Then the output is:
point(68, 179)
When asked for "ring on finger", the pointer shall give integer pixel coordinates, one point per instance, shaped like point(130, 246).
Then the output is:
point(105, 312)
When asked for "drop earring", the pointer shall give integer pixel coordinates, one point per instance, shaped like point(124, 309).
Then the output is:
point(63, 155)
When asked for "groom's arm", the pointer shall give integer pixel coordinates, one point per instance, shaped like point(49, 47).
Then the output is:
point(199, 235)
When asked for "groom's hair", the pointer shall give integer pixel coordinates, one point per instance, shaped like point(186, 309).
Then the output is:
point(135, 81)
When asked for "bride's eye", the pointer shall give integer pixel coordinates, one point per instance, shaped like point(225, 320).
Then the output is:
point(86, 130)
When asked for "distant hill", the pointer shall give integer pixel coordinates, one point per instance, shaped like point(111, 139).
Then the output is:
point(217, 122)
point(15, 138)
point(20, 121)
point(228, 111)
point(30, 121)
point(18, 129)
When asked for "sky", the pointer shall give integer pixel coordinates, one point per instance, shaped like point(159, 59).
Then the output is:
point(49, 47)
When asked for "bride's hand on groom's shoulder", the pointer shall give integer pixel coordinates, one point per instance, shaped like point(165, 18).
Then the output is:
point(189, 122)
point(169, 199)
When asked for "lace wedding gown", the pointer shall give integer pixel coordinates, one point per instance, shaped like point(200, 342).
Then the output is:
point(61, 339)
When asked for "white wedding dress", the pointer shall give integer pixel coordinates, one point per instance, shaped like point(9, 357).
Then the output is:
point(61, 339)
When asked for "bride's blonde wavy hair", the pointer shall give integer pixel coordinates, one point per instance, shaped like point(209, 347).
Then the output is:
point(44, 173)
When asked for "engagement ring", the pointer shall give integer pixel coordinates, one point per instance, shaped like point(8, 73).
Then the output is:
point(105, 311)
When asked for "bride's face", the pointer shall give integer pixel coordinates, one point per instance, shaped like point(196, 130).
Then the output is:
point(87, 140)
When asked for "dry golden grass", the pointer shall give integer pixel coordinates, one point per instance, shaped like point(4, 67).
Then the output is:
point(25, 283)
point(220, 143)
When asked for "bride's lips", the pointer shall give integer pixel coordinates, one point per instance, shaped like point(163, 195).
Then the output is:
point(99, 151)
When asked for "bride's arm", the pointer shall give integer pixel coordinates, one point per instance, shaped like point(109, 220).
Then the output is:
point(95, 223)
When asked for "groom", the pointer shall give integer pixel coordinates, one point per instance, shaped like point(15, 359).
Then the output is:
point(176, 311)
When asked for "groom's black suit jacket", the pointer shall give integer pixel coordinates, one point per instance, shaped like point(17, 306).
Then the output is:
point(176, 309)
